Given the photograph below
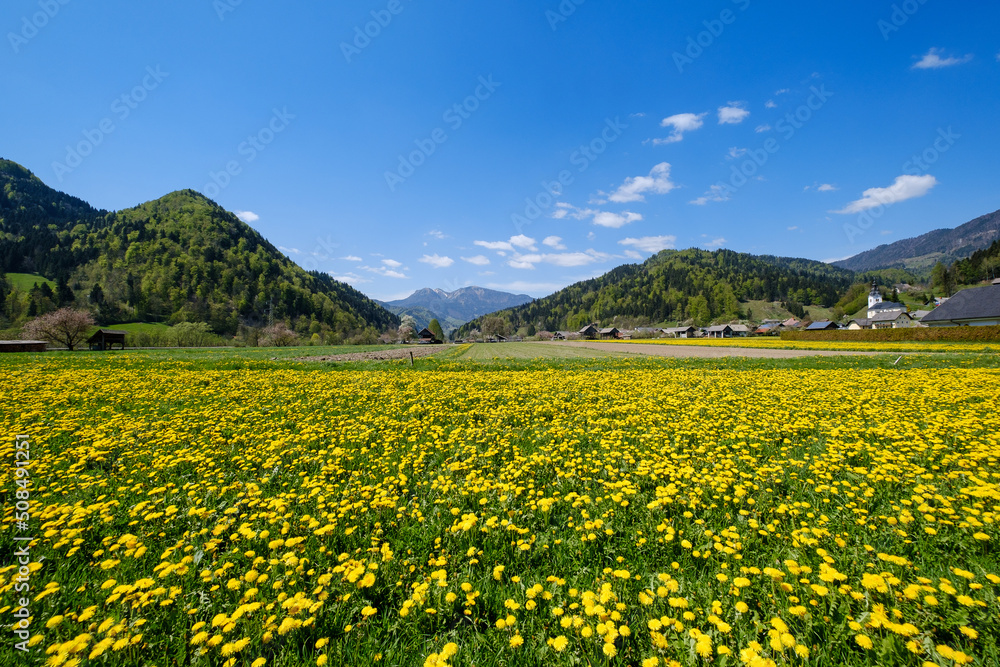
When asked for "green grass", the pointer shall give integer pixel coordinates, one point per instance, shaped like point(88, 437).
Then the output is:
point(139, 327)
point(25, 281)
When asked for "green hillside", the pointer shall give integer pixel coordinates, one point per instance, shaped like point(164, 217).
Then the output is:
point(178, 258)
point(688, 285)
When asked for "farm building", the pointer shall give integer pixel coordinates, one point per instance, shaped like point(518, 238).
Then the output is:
point(106, 339)
point(822, 325)
point(680, 332)
point(976, 306)
point(740, 330)
point(720, 331)
point(588, 332)
point(22, 346)
point(427, 337)
point(608, 333)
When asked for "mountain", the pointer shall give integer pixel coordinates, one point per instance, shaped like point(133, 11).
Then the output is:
point(921, 253)
point(452, 309)
point(179, 258)
point(679, 285)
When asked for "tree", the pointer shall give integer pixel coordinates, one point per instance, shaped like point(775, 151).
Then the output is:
point(65, 326)
point(942, 279)
point(279, 335)
point(435, 328)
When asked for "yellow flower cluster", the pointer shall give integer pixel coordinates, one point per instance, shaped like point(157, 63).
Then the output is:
point(268, 516)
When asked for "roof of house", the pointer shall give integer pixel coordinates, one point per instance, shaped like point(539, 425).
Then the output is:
point(969, 304)
point(678, 329)
point(740, 327)
point(719, 327)
point(822, 324)
point(589, 327)
point(918, 314)
point(608, 330)
point(886, 317)
point(887, 305)
point(791, 322)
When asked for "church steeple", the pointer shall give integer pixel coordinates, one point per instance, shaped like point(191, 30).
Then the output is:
point(875, 296)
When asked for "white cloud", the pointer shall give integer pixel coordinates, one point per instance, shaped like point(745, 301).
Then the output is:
point(352, 258)
point(247, 216)
point(681, 122)
point(601, 218)
point(391, 263)
point(650, 243)
point(494, 245)
point(438, 234)
point(591, 236)
point(289, 251)
point(634, 188)
point(523, 242)
point(782, 91)
point(632, 254)
point(437, 261)
point(615, 220)
point(733, 114)
point(715, 193)
point(478, 260)
point(383, 271)
point(562, 259)
point(736, 153)
point(350, 278)
point(715, 243)
point(763, 128)
point(554, 242)
point(826, 187)
point(792, 228)
point(771, 104)
point(933, 60)
point(905, 187)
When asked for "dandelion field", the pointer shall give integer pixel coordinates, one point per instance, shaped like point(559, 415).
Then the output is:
point(612, 511)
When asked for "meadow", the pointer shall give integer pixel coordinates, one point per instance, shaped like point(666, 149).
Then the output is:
point(241, 507)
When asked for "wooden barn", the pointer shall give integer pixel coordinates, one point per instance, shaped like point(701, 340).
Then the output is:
point(106, 339)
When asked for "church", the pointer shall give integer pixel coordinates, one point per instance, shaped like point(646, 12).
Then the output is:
point(882, 314)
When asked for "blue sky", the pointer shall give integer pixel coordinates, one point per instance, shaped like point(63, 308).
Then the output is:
point(516, 145)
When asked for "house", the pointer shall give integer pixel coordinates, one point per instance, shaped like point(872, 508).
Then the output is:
point(559, 335)
point(680, 332)
point(106, 339)
point(589, 332)
point(822, 325)
point(791, 323)
point(919, 314)
point(608, 333)
point(976, 306)
point(720, 331)
point(22, 346)
point(859, 323)
point(427, 337)
point(740, 330)
point(768, 328)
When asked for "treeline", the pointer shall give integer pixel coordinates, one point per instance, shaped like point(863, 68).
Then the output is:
point(689, 285)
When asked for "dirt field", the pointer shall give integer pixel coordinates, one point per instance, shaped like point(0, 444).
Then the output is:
point(707, 351)
point(381, 355)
